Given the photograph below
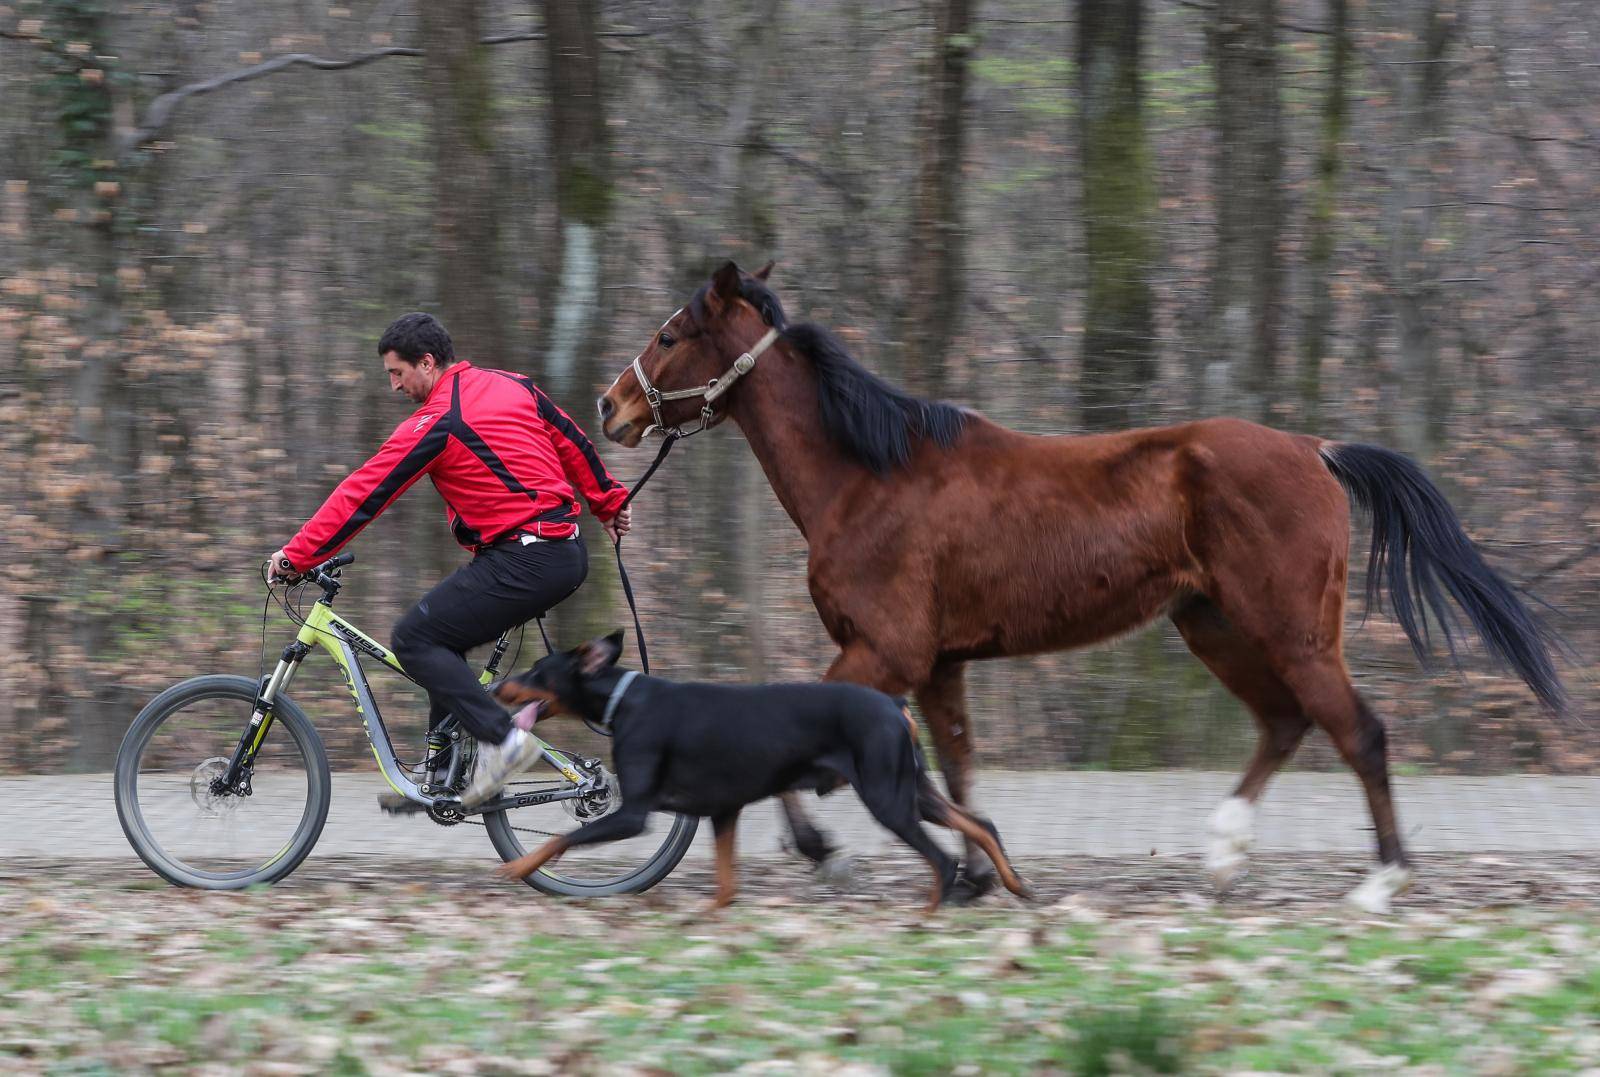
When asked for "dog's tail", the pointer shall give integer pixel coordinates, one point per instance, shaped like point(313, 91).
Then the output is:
point(936, 808)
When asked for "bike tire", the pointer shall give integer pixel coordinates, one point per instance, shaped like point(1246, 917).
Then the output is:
point(640, 879)
point(287, 718)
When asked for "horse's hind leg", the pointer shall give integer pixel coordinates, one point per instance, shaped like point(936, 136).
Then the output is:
point(1281, 723)
point(1290, 685)
point(944, 704)
point(1324, 689)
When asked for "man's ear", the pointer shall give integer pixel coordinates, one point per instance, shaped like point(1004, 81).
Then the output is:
point(765, 271)
point(599, 655)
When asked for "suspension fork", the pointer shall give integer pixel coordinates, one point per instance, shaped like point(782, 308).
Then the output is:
point(236, 777)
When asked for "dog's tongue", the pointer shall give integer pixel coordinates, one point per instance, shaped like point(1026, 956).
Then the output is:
point(525, 718)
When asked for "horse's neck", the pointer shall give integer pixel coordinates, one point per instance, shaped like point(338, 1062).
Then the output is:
point(776, 409)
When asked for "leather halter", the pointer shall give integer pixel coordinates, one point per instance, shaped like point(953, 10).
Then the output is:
point(711, 390)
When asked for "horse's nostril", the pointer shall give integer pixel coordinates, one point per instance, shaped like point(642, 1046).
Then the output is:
point(606, 407)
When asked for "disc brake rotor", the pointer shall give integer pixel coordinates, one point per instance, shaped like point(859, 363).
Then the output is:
point(200, 783)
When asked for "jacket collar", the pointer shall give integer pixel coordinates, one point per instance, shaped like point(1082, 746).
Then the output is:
point(442, 386)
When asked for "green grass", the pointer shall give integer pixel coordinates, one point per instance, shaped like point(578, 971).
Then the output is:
point(337, 982)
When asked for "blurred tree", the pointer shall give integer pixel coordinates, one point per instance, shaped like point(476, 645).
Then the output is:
point(467, 207)
point(580, 157)
point(935, 257)
point(1422, 399)
point(1246, 297)
point(1119, 206)
point(1322, 237)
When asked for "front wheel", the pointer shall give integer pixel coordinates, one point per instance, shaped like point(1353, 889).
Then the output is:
point(176, 819)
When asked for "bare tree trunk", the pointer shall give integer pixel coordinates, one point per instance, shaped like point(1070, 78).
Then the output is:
point(1247, 283)
point(466, 211)
point(1413, 270)
point(1322, 242)
point(580, 156)
point(935, 258)
point(752, 227)
point(1119, 204)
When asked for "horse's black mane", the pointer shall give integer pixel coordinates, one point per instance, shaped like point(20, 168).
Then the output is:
point(864, 415)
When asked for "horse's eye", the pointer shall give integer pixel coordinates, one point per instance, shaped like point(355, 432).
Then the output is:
point(667, 340)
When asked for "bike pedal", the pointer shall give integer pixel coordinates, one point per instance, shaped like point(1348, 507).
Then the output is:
point(396, 804)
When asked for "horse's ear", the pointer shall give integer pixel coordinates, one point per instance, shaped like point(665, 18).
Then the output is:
point(765, 271)
point(725, 284)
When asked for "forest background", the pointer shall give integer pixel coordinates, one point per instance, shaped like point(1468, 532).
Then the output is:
point(1374, 220)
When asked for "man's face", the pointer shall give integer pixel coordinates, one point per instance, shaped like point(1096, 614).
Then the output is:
point(416, 380)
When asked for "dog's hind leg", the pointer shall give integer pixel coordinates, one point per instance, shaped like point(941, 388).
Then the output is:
point(893, 803)
point(725, 827)
point(975, 828)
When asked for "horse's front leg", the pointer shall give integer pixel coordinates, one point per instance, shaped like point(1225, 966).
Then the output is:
point(856, 664)
point(944, 706)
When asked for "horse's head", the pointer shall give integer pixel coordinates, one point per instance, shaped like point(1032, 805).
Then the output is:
point(694, 359)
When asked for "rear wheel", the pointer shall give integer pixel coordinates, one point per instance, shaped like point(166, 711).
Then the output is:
point(177, 820)
point(619, 867)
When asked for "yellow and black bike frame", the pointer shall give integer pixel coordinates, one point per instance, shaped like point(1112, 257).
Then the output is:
point(345, 643)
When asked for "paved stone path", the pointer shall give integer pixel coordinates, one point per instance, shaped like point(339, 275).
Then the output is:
point(1039, 814)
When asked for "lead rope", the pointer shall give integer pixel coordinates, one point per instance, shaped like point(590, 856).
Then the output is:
point(622, 571)
point(627, 587)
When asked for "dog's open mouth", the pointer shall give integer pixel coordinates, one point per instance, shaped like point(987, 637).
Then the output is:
point(528, 716)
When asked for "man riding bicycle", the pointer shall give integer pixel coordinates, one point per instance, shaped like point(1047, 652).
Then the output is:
point(507, 462)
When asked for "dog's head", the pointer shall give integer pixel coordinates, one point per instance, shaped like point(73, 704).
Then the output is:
point(555, 684)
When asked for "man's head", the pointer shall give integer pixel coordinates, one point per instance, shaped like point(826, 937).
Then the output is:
point(415, 350)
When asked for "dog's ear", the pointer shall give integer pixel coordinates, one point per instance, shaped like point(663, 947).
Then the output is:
point(599, 655)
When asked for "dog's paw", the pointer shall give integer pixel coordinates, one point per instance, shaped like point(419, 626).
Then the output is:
point(839, 871)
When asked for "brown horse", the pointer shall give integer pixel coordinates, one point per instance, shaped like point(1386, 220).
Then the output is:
point(937, 537)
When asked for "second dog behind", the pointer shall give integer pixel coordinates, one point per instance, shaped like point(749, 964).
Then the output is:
point(709, 750)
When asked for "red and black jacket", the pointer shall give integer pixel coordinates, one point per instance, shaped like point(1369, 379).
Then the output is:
point(501, 454)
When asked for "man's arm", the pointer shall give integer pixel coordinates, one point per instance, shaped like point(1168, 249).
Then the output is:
point(409, 453)
point(583, 466)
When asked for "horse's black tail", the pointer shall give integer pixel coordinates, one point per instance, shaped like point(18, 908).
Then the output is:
point(1420, 551)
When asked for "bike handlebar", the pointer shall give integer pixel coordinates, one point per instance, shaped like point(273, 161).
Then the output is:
point(325, 574)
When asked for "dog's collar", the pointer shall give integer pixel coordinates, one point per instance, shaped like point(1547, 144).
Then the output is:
point(616, 697)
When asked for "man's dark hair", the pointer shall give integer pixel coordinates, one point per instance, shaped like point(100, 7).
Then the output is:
point(414, 335)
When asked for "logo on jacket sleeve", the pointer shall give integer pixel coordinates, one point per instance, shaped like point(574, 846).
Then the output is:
point(424, 421)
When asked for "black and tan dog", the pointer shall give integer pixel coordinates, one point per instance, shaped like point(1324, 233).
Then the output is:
point(709, 750)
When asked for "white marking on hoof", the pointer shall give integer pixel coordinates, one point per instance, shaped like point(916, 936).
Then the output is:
point(1373, 895)
point(1233, 827)
point(838, 871)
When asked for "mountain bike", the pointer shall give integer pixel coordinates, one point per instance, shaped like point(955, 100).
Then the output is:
point(222, 782)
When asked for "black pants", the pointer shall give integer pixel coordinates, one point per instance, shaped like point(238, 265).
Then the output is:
point(502, 587)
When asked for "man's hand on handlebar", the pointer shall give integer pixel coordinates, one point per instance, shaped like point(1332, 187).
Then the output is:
point(279, 568)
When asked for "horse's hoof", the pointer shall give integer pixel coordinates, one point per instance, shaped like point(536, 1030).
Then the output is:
point(960, 893)
point(1372, 896)
point(1232, 834)
point(838, 871)
point(969, 888)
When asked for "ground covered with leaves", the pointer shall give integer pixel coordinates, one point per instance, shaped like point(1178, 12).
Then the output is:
point(1489, 966)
